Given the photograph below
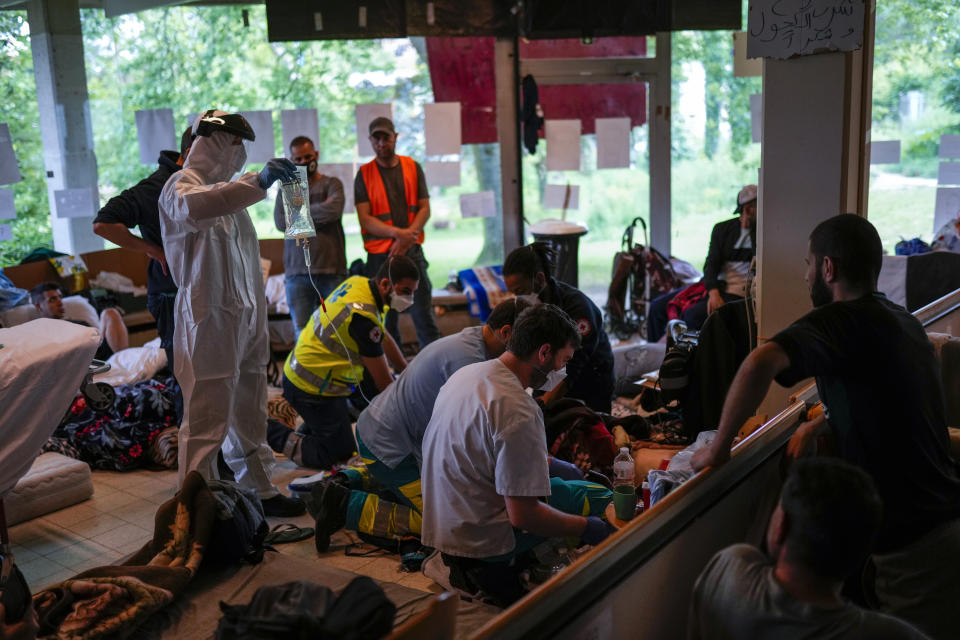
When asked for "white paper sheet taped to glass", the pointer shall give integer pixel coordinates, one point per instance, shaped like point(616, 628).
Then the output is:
point(155, 133)
point(264, 147)
point(561, 196)
point(76, 203)
point(442, 128)
point(9, 171)
point(442, 174)
point(365, 114)
point(613, 143)
point(950, 146)
point(885, 152)
point(949, 173)
point(7, 210)
point(756, 117)
point(947, 207)
point(744, 67)
point(346, 172)
point(563, 145)
point(478, 205)
point(299, 122)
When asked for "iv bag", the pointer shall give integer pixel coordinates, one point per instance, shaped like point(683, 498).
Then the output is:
point(296, 207)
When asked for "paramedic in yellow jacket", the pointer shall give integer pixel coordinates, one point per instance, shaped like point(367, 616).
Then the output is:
point(342, 351)
point(393, 207)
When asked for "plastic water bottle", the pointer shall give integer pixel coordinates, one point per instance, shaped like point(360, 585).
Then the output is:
point(623, 468)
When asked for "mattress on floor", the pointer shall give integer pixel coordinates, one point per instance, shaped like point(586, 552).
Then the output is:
point(197, 612)
point(53, 482)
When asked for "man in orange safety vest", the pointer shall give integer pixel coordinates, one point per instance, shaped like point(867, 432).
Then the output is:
point(393, 207)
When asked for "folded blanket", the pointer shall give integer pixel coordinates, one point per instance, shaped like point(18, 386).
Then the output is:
point(114, 600)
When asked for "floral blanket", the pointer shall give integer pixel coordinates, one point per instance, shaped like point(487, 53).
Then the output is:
point(135, 432)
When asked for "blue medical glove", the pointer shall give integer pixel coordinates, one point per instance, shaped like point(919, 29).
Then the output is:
point(597, 530)
point(563, 470)
point(277, 169)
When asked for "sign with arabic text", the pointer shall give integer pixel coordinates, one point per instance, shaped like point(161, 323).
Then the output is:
point(786, 28)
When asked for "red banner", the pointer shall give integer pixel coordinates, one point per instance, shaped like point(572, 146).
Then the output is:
point(461, 70)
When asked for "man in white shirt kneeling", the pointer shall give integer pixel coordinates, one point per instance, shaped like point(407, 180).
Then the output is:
point(485, 465)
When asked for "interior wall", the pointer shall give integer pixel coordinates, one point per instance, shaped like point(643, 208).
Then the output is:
point(802, 183)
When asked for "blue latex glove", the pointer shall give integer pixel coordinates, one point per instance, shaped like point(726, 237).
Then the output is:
point(597, 530)
point(277, 169)
point(563, 470)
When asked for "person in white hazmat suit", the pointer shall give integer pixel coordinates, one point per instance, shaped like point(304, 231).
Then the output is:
point(221, 344)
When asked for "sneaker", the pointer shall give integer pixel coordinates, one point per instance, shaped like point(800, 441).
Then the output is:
point(331, 509)
point(280, 506)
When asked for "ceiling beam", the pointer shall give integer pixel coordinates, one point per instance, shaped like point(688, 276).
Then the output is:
point(114, 8)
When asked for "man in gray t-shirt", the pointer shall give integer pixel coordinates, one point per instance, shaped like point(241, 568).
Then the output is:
point(823, 527)
point(390, 430)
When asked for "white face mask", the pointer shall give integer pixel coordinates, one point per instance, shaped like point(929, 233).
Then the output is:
point(530, 298)
point(553, 379)
point(400, 303)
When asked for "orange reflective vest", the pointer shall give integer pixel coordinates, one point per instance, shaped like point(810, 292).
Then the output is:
point(380, 204)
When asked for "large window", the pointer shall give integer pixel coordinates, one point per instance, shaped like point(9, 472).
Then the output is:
point(916, 100)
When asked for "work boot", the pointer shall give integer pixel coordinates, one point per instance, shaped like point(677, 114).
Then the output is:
point(313, 496)
point(331, 513)
point(280, 506)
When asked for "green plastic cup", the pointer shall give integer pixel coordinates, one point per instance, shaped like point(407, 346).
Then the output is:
point(624, 501)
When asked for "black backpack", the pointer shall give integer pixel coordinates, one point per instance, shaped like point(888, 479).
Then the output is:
point(240, 526)
point(306, 610)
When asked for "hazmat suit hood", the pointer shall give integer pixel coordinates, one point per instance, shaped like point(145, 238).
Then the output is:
point(215, 157)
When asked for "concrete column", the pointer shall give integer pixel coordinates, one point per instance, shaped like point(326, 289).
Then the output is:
point(812, 160)
point(508, 132)
point(658, 120)
point(65, 125)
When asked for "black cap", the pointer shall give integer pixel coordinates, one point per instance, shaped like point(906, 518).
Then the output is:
point(381, 124)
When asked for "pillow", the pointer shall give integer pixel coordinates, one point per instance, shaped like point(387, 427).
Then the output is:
point(79, 308)
point(74, 307)
point(18, 315)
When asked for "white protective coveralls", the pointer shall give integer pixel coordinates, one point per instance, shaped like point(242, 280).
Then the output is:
point(221, 343)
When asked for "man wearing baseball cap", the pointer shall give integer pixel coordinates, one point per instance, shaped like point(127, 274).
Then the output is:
point(726, 271)
point(732, 247)
point(393, 207)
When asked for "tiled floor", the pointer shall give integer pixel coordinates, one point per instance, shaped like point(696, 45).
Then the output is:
point(118, 520)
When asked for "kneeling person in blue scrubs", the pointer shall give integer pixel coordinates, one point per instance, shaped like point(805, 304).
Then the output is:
point(390, 433)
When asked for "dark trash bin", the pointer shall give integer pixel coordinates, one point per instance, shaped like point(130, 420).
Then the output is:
point(564, 239)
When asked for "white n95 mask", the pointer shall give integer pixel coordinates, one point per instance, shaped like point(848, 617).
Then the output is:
point(400, 303)
point(553, 379)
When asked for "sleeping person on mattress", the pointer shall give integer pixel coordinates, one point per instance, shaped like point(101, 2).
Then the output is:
point(48, 300)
